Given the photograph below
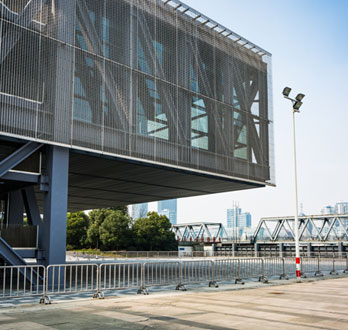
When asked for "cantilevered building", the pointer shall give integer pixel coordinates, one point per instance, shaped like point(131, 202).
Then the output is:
point(114, 102)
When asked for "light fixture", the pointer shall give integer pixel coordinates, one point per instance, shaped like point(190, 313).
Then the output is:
point(299, 97)
point(297, 105)
point(286, 91)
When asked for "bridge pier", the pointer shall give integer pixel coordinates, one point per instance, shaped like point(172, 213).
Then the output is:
point(256, 249)
point(281, 250)
point(309, 249)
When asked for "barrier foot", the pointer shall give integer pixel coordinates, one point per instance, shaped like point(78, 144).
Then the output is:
point(263, 279)
point(181, 287)
point(46, 300)
point(98, 295)
point(283, 277)
point(345, 271)
point(318, 273)
point(143, 290)
point(239, 280)
point(333, 272)
point(213, 283)
point(303, 275)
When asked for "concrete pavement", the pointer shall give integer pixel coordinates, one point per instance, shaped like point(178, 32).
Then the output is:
point(309, 305)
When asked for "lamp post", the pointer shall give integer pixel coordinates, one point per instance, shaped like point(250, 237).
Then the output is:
point(296, 104)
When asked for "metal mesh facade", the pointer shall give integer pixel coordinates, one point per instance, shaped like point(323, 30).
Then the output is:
point(146, 79)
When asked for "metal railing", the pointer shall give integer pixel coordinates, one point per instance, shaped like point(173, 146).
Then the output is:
point(22, 281)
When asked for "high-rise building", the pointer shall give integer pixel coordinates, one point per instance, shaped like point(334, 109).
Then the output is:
point(140, 210)
point(341, 208)
point(328, 209)
point(169, 209)
point(238, 221)
point(245, 220)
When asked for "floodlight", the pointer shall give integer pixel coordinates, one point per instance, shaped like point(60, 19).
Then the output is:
point(286, 91)
point(297, 105)
point(299, 97)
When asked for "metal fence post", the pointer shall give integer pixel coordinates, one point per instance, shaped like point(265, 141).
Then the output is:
point(98, 294)
point(212, 282)
point(318, 272)
point(346, 270)
point(143, 289)
point(263, 278)
point(45, 298)
point(180, 286)
point(283, 274)
point(333, 271)
point(239, 279)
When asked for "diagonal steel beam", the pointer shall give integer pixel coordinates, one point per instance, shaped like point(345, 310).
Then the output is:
point(316, 228)
point(21, 22)
point(94, 45)
point(18, 156)
point(330, 228)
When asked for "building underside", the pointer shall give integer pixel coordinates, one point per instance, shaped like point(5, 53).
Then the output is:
point(108, 103)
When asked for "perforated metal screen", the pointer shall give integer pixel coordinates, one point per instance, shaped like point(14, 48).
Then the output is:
point(147, 79)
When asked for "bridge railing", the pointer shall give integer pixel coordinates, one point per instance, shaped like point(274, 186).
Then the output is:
point(22, 281)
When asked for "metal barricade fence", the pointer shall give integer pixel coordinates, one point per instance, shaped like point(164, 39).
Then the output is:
point(70, 278)
point(226, 270)
point(22, 281)
point(197, 271)
point(250, 267)
point(116, 276)
point(274, 267)
point(309, 266)
point(160, 273)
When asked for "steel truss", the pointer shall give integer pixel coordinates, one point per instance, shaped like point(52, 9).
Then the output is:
point(199, 231)
point(320, 227)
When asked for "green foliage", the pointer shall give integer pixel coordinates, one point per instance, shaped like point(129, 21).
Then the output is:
point(76, 230)
point(96, 217)
point(115, 231)
point(153, 233)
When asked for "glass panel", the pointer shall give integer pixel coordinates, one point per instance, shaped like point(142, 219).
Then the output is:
point(240, 135)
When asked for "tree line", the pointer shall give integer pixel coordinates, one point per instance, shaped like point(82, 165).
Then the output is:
point(113, 229)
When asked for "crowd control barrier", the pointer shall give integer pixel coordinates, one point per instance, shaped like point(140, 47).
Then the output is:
point(47, 282)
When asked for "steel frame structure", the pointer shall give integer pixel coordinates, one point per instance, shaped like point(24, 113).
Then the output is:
point(199, 231)
point(323, 226)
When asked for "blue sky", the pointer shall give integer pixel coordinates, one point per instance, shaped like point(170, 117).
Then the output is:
point(309, 43)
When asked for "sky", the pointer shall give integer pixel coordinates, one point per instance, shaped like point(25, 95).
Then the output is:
point(308, 40)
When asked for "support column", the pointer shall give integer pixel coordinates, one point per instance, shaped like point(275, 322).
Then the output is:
point(340, 248)
point(52, 238)
point(234, 249)
point(15, 208)
point(281, 250)
point(309, 249)
point(256, 249)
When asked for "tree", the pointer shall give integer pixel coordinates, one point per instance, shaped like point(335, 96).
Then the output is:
point(154, 233)
point(96, 217)
point(76, 229)
point(115, 231)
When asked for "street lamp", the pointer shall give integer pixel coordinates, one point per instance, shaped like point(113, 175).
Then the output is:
point(296, 105)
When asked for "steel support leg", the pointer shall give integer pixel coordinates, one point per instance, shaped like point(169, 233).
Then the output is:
point(52, 238)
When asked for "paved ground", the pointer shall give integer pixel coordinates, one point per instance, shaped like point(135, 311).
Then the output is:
point(319, 304)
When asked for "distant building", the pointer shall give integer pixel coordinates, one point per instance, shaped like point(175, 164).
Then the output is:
point(140, 210)
point(341, 208)
point(328, 210)
point(237, 221)
point(169, 209)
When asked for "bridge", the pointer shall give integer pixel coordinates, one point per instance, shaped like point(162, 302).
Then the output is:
point(319, 234)
point(200, 232)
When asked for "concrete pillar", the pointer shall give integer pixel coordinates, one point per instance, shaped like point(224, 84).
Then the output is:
point(234, 249)
point(340, 248)
point(52, 233)
point(281, 250)
point(256, 249)
point(309, 249)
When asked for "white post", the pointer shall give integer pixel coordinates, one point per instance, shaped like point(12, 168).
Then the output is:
point(297, 244)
